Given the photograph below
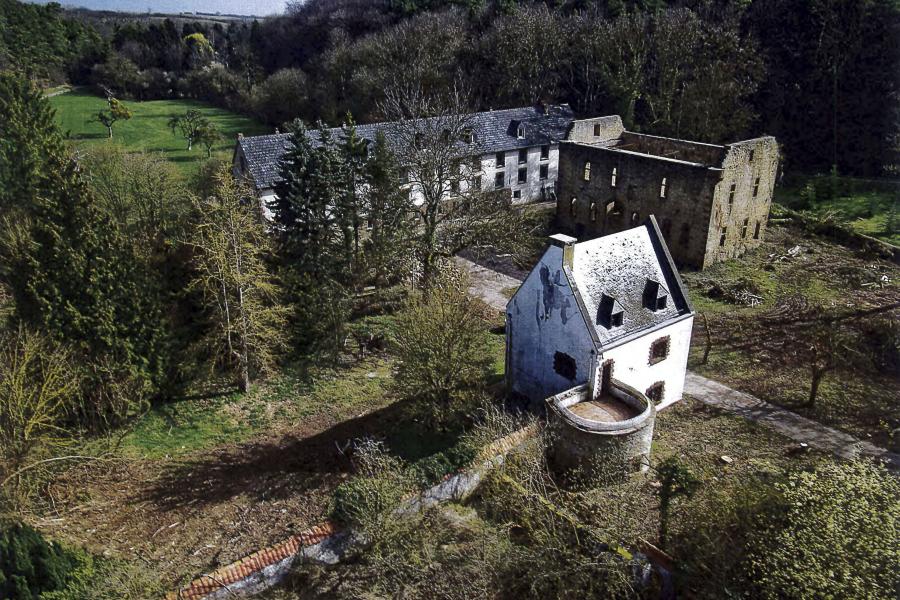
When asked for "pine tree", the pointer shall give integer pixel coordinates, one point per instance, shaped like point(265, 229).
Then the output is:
point(389, 248)
point(76, 277)
point(349, 209)
point(28, 136)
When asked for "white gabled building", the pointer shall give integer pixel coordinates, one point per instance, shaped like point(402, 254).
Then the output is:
point(515, 149)
point(608, 310)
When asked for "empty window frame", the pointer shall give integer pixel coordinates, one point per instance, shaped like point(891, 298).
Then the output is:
point(587, 171)
point(731, 194)
point(565, 365)
point(616, 319)
point(612, 179)
point(545, 152)
point(751, 155)
point(500, 159)
point(593, 212)
point(545, 171)
point(756, 231)
point(723, 236)
point(598, 130)
point(662, 188)
point(659, 350)
point(744, 229)
point(573, 206)
point(523, 175)
point(755, 187)
point(517, 194)
point(656, 392)
point(498, 180)
point(523, 156)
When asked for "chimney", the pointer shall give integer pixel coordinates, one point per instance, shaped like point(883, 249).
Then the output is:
point(567, 243)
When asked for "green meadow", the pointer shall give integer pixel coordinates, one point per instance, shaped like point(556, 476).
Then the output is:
point(148, 129)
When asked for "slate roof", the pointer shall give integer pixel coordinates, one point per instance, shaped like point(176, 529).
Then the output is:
point(495, 131)
point(619, 266)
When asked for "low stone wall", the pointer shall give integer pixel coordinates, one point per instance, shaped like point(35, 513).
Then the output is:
point(583, 443)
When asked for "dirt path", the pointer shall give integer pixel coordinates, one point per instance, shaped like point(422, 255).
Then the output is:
point(489, 285)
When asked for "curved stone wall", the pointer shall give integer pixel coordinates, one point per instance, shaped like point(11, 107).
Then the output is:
point(600, 446)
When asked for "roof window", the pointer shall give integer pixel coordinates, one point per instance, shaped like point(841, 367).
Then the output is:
point(656, 296)
point(610, 313)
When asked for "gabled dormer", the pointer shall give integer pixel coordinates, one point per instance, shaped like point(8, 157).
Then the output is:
point(656, 296)
point(610, 313)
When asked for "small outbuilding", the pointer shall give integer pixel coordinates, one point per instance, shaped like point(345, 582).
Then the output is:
point(599, 335)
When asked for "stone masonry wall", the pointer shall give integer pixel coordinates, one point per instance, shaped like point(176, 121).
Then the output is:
point(683, 214)
point(741, 216)
point(703, 219)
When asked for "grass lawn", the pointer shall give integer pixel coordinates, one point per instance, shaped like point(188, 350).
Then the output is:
point(870, 207)
point(148, 129)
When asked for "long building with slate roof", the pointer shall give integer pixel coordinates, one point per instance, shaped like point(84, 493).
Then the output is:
point(517, 149)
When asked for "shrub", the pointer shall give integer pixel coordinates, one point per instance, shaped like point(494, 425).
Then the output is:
point(832, 532)
point(367, 500)
point(30, 566)
point(441, 341)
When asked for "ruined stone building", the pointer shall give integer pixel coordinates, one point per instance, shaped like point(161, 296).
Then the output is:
point(711, 201)
point(600, 333)
point(515, 149)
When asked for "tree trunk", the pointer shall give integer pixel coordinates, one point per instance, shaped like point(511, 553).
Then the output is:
point(708, 345)
point(109, 130)
point(190, 143)
point(817, 376)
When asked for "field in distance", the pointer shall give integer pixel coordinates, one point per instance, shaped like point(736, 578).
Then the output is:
point(148, 128)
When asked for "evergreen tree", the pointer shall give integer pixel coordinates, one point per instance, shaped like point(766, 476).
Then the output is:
point(76, 277)
point(389, 248)
point(28, 137)
point(349, 209)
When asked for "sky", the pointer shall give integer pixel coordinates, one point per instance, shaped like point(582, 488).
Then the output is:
point(237, 7)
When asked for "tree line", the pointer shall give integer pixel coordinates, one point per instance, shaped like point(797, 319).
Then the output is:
point(819, 75)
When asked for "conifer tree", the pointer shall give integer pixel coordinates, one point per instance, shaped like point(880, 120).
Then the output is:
point(76, 277)
point(389, 247)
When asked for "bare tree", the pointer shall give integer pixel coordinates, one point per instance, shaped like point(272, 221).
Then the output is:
point(434, 139)
point(242, 299)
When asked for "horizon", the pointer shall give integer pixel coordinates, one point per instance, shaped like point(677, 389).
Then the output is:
point(260, 8)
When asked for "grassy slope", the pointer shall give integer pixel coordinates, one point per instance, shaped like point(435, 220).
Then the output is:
point(148, 130)
point(864, 205)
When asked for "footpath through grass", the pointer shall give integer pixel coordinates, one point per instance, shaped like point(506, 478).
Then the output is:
point(148, 129)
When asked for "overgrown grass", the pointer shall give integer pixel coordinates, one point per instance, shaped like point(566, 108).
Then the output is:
point(869, 207)
point(296, 394)
point(792, 270)
point(148, 129)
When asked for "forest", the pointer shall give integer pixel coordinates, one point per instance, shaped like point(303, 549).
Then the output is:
point(821, 76)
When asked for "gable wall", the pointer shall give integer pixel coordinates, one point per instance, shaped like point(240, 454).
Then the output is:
point(542, 319)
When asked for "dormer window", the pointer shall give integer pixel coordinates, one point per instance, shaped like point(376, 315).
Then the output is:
point(520, 131)
point(468, 135)
point(610, 313)
point(656, 297)
point(587, 171)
